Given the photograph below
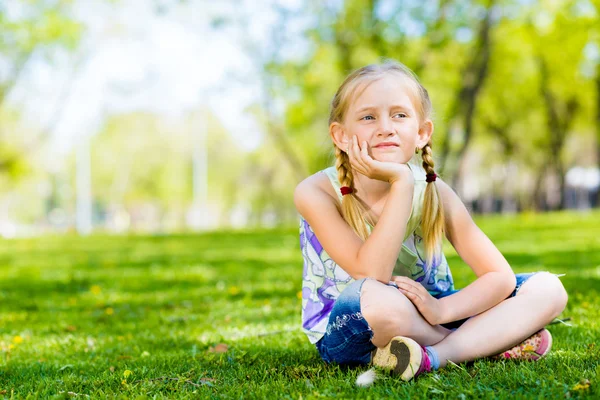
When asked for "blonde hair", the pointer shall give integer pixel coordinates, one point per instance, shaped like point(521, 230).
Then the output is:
point(353, 211)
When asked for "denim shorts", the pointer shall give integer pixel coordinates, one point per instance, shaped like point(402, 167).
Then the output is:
point(347, 338)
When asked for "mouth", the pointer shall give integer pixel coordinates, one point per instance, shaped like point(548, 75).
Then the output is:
point(386, 146)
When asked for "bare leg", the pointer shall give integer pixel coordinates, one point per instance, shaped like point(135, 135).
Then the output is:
point(539, 301)
point(389, 313)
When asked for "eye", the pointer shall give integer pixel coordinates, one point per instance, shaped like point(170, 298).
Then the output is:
point(368, 118)
point(402, 115)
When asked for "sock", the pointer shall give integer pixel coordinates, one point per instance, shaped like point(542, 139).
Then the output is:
point(433, 357)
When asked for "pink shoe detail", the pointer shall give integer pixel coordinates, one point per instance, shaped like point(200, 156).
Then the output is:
point(531, 349)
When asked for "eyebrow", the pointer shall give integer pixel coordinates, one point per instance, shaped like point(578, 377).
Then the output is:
point(367, 108)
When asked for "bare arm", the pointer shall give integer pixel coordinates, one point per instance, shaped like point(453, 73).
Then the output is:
point(376, 256)
point(495, 279)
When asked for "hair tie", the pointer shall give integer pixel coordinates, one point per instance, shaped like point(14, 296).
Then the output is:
point(346, 190)
point(430, 178)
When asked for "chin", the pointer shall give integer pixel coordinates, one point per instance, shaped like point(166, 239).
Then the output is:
point(390, 158)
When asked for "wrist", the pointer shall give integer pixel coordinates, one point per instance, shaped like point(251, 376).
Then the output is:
point(444, 312)
point(405, 179)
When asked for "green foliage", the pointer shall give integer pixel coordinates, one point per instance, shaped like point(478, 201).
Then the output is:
point(14, 137)
point(438, 41)
point(37, 28)
point(41, 25)
point(142, 158)
point(218, 316)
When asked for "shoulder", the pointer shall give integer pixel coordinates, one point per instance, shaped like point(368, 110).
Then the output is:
point(314, 190)
point(458, 219)
point(450, 199)
point(448, 195)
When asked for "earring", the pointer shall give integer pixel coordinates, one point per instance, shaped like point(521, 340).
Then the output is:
point(417, 150)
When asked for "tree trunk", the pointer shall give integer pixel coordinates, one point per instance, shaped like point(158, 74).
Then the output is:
point(559, 116)
point(468, 98)
point(436, 36)
point(273, 125)
point(536, 198)
point(596, 196)
point(374, 29)
point(598, 115)
point(465, 100)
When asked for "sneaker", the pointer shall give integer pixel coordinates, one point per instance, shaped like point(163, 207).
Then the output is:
point(531, 349)
point(403, 357)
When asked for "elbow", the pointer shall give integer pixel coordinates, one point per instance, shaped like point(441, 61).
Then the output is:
point(371, 270)
point(360, 276)
point(371, 273)
point(368, 272)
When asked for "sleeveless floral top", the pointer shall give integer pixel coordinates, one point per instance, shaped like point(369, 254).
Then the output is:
point(324, 280)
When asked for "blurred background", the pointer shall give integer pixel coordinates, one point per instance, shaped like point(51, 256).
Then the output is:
point(159, 116)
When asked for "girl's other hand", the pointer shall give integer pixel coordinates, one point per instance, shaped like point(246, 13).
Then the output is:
point(362, 162)
point(429, 307)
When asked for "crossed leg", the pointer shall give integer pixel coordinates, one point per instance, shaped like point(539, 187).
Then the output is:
point(389, 313)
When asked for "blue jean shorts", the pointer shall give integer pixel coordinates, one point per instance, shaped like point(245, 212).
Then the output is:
point(347, 338)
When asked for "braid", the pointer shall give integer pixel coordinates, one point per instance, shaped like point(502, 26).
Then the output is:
point(352, 211)
point(428, 163)
point(433, 211)
point(342, 164)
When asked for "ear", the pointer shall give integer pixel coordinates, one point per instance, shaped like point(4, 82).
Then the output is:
point(339, 137)
point(425, 132)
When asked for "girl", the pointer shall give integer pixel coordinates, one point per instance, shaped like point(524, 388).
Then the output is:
point(377, 288)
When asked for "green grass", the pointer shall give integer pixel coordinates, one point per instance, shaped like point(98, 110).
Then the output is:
point(77, 313)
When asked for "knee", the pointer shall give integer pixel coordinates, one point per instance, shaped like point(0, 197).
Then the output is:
point(559, 293)
point(384, 306)
point(552, 290)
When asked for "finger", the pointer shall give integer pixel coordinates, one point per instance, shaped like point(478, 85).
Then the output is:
point(359, 164)
point(409, 288)
point(364, 153)
point(406, 281)
point(406, 286)
point(357, 167)
point(413, 297)
point(416, 286)
point(352, 153)
point(402, 278)
point(357, 151)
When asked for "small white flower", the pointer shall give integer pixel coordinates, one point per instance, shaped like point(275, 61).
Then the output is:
point(366, 378)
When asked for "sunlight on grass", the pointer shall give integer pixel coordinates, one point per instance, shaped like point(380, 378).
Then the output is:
point(128, 316)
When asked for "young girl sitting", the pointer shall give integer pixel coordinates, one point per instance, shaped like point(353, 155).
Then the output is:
point(377, 288)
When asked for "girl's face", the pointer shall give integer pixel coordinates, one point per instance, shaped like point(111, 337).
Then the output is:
point(384, 116)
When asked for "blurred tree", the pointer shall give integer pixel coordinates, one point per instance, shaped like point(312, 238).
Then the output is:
point(474, 76)
point(264, 56)
point(35, 29)
point(598, 113)
point(353, 33)
point(563, 88)
point(596, 42)
point(141, 159)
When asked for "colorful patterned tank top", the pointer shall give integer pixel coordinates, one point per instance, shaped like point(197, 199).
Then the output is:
point(324, 280)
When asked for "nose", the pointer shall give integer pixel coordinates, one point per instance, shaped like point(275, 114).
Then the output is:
point(385, 127)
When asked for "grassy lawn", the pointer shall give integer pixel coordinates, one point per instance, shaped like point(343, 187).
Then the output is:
point(218, 315)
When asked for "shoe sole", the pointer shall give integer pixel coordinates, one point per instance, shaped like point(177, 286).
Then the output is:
point(401, 356)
